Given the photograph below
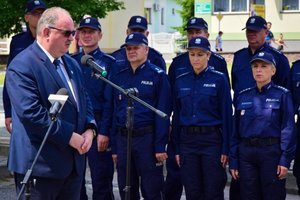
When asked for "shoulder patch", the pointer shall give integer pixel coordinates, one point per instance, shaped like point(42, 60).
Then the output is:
point(281, 88)
point(276, 51)
point(245, 90)
point(216, 72)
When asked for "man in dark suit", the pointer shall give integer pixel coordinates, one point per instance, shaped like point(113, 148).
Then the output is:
point(31, 78)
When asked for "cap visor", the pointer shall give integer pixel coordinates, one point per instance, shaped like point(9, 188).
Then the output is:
point(195, 27)
point(137, 26)
point(253, 28)
point(91, 27)
point(197, 47)
point(131, 43)
point(262, 59)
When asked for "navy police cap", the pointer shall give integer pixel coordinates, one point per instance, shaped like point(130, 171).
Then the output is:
point(138, 22)
point(35, 4)
point(136, 39)
point(90, 22)
point(264, 56)
point(197, 23)
point(256, 23)
point(199, 43)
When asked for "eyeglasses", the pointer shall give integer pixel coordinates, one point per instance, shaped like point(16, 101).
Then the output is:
point(66, 33)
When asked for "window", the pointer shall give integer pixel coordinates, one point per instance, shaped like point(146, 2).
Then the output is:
point(162, 16)
point(290, 4)
point(148, 15)
point(234, 5)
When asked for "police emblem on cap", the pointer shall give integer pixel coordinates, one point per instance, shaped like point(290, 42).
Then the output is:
point(37, 3)
point(198, 41)
point(88, 20)
point(193, 21)
point(138, 20)
point(261, 54)
point(252, 21)
point(130, 36)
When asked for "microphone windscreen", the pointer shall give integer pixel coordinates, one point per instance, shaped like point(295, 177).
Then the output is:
point(62, 91)
point(85, 58)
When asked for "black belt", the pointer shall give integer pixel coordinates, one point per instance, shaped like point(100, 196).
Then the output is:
point(200, 129)
point(260, 142)
point(137, 131)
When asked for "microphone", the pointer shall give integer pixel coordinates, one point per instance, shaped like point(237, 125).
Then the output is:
point(89, 60)
point(57, 100)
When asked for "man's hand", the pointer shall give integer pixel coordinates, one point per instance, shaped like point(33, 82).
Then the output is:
point(102, 142)
point(76, 142)
point(224, 160)
point(177, 158)
point(115, 158)
point(281, 171)
point(160, 157)
point(88, 136)
point(234, 173)
point(8, 124)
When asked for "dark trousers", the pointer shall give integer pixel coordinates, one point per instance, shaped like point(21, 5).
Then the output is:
point(202, 173)
point(258, 173)
point(173, 187)
point(102, 170)
point(53, 189)
point(144, 168)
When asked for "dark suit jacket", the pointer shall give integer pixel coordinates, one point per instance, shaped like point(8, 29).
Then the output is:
point(30, 79)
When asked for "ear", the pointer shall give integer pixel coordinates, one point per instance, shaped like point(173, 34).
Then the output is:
point(146, 33)
point(100, 35)
point(127, 31)
point(46, 32)
point(207, 35)
point(273, 70)
point(26, 17)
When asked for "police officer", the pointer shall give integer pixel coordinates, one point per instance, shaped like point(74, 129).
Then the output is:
point(241, 75)
point(139, 24)
point(33, 11)
point(202, 124)
point(294, 86)
point(181, 64)
point(149, 131)
point(263, 143)
point(99, 156)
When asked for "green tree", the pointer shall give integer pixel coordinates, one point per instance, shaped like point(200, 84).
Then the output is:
point(12, 11)
point(187, 12)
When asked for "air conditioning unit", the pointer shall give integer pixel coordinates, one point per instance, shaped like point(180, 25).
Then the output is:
point(156, 7)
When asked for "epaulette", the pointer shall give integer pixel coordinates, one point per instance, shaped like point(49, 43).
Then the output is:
point(245, 90)
point(180, 56)
point(281, 88)
point(109, 57)
point(156, 69)
point(216, 72)
point(155, 51)
point(218, 56)
point(238, 51)
point(182, 75)
point(116, 51)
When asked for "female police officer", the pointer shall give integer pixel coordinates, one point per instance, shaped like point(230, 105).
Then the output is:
point(202, 124)
point(263, 141)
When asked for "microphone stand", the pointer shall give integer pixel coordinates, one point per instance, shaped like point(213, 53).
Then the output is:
point(131, 94)
point(29, 183)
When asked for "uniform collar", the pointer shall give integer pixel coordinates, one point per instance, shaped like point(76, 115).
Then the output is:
point(258, 50)
point(202, 72)
point(142, 66)
point(97, 52)
point(265, 88)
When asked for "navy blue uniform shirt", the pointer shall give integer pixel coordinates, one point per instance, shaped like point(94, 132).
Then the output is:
point(181, 64)
point(18, 43)
point(264, 114)
point(294, 85)
point(203, 100)
point(241, 73)
point(153, 86)
point(153, 56)
point(96, 87)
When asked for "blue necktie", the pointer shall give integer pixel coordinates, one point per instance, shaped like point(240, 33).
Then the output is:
point(57, 64)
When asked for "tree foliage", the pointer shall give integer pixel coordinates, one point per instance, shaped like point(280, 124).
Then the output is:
point(12, 11)
point(187, 12)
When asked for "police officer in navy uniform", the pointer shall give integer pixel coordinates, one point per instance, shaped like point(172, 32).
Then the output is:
point(241, 75)
point(33, 11)
point(263, 142)
point(149, 130)
point(181, 64)
point(294, 86)
point(139, 24)
point(99, 156)
point(202, 124)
